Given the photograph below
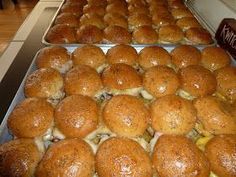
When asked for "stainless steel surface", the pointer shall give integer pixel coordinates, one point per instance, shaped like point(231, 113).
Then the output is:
point(4, 133)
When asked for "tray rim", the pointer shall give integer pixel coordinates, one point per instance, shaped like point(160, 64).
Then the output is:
point(187, 4)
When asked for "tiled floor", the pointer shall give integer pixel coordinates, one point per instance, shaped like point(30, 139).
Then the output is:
point(11, 17)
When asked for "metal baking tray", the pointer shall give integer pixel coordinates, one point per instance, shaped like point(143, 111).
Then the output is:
point(4, 133)
point(202, 22)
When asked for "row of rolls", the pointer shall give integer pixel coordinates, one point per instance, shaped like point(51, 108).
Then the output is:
point(118, 21)
point(144, 113)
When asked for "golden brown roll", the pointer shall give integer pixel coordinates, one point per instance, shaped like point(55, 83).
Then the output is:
point(145, 35)
point(67, 18)
point(19, 157)
point(137, 2)
point(162, 20)
point(153, 56)
point(221, 151)
point(122, 157)
point(90, 55)
point(74, 8)
point(118, 35)
point(71, 157)
point(98, 3)
point(117, 8)
point(160, 81)
point(159, 11)
point(126, 116)
point(81, 2)
point(82, 80)
point(61, 33)
point(170, 34)
point(117, 1)
point(198, 36)
point(172, 114)
point(92, 19)
point(100, 10)
point(89, 34)
point(197, 81)
point(185, 55)
point(137, 20)
point(214, 58)
point(157, 3)
point(76, 116)
point(180, 13)
point(176, 155)
point(177, 4)
point(44, 83)
point(31, 118)
point(116, 19)
point(55, 57)
point(122, 54)
point(121, 76)
point(188, 22)
point(218, 120)
point(226, 82)
point(137, 9)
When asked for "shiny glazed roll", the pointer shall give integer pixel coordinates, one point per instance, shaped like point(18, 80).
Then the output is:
point(188, 22)
point(160, 81)
point(185, 55)
point(145, 35)
point(218, 120)
point(226, 82)
point(55, 57)
point(112, 19)
point(121, 77)
point(170, 34)
point(45, 83)
point(214, 58)
point(76, 116)
point(162, 20)
point(81, 2)
point(70, 157)
point(180, 13)
point(97, 3)
point(117, 35)
point(92, 19)
point(172, 114)
point(122, 157)
point(61, 33)
point(197, 81)
point(137, 20)
point(67, 18)
point(74, 8)
point(117, 8)
point(176, 155)
point(221, 151)
point(90, 55)
point(137, 9)
point(19, 158)
point(83, 80)
point(99, 10)
point(31, 118)
point(89, 34)
point(177, 4)
point(126, 116)
point(198, 36)
point(153, 56)
point(122, 54)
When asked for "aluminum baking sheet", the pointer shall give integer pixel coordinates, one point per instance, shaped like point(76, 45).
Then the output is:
point(4, 133)
point(188, 5)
